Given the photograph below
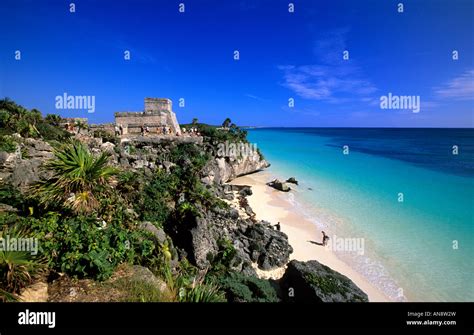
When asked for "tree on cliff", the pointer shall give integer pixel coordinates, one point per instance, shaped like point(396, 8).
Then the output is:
point(226, 123)
point(53, 119)
point(18, 119)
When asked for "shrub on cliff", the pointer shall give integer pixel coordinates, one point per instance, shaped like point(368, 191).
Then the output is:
point(105, 136)
point(7, 144)
point(17, 119)
point(29, 123)
point(52, 133)
point(85, 247)
point(152, 205)
point(242, 288)
point(78, 178)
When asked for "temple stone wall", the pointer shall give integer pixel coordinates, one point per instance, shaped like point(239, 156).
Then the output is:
point(157, 114)
point(107, 127)
point(153, 105)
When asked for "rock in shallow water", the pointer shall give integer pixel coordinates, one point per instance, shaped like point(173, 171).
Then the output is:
point(281, 186)
point(292, 180)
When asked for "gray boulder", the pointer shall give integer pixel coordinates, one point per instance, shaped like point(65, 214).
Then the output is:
point(22, 170)
point(245, 191)
point(314, 282)
point(107, 147)
point(281, 186)
point(158, 233)
point(143, 274)
point(268, 247)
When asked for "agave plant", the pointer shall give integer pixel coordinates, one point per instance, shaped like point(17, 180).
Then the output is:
point(78, 178)
point(18, 269)
point(200, 292)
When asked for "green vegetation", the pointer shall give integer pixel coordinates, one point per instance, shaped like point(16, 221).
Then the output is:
point(105, 136)
point(186, 287)
point(201, 293)
point(229, 132)
point(87, 215)
point(152, 203)
point(139, 291)
point(18, 269)
point(77, 180)
point(330, 285)
point(241, 288)
point(7, 144)
point(326, 284)
point(86, 227)
point(226, 123)
point(29, 123)
point(224, 258)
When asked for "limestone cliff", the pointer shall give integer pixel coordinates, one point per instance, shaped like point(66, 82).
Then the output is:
point(23, 166)
point(223, 169)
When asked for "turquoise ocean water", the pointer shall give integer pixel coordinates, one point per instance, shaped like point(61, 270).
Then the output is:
point(421, 249)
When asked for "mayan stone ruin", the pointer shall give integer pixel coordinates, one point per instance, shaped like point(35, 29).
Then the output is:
point(157, 118)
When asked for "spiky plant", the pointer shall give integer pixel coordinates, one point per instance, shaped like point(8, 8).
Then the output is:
point(78, 178)
point(200, 292)
point(18, 269)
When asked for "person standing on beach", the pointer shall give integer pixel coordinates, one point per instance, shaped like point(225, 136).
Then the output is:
point(325, 238)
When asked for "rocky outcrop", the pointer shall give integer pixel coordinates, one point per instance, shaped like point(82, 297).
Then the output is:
point(267, 247)
point(314, 282)
point(223, 169)
point(23, 167)
point(280, 186)
point(107, 147)
point(259, 243)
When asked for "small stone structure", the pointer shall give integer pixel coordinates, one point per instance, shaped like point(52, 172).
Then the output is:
point(157, 118)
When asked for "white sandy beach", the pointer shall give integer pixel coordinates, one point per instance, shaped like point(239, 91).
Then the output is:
point(268, 206)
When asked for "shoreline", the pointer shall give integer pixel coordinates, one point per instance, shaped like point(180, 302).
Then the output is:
point(300, 231)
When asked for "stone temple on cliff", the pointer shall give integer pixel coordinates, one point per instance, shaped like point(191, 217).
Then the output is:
point(157, 118)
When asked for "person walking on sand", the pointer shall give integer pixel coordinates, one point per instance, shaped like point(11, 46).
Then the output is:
point(325, 238)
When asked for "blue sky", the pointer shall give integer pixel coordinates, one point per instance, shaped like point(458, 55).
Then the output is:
point(283, 55)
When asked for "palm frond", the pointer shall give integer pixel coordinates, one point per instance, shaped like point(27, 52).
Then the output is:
point(77, 177)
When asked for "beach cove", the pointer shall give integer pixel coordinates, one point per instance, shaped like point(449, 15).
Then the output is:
point(405, 192)
point(302, 234)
